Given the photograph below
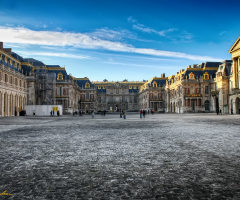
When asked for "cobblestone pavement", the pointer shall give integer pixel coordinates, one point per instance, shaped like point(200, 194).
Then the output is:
point(164, 156)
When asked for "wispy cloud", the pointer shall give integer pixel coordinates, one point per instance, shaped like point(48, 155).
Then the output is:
point(134, 65)
point(143, 28)
point(65, 55)
point(146, 29)
point(80, 40)
point(223, 32)
point(173, 34)
point(115, 35)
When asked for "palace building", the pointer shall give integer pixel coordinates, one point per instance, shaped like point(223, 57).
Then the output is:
point(203, 87)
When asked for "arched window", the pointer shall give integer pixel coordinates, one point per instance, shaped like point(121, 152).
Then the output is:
point(191, 76)
point(60, 76)
point(154, 84)
point(206, 76)
point(87, 85)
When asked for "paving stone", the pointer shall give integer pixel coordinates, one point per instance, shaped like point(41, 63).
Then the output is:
point(164, 156)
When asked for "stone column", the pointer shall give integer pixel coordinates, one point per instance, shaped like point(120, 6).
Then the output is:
point(235, 73)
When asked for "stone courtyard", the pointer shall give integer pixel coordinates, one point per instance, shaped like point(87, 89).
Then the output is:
point(163, 156)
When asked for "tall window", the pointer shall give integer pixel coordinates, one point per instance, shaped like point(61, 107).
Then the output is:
point(87, 95)
point(16, 81)
point(59, 91)
point(192, 89)
point(206, 90)
point(6, 77)
point(130, 99)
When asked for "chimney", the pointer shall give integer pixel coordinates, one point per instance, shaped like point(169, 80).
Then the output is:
point(1, 45)
point(189, 66)
point(163, 75)
point(8, 50)
point(194, 66)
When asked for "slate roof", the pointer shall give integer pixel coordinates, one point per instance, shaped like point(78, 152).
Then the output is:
point(36, 63)
point(82, 82)
point(160, 82)
point(212, 64)
point(15, 55)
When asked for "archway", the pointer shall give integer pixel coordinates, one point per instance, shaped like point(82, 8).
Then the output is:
point(171, 107)
point(216, 103)
point(174, 107)
point(237, 105)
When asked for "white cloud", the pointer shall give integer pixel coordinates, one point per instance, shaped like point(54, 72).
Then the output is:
point(65, 55)
point(80, 40)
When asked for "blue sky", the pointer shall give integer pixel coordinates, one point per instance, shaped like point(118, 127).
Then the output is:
point(118, 40)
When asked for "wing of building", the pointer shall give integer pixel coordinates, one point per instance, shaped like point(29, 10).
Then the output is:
point(204, 87)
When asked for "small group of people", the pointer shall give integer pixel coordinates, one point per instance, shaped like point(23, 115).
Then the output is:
point(52, 113)
point(80, 113)
point(103, 113)
point(123, 113)
point(142, 113)
point(219, 111)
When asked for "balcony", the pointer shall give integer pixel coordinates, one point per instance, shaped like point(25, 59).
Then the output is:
point(61, 96)
point(193, 95)
point(87, 100)
point(155, 99)
point(214, 93)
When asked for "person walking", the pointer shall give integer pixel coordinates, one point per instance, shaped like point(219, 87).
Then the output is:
point(143, 113)
point(217, 111)
point(140, 114)
point(51, 113)
point(58, 113)
point(148, 112)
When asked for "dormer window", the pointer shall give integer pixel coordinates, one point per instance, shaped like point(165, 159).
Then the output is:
point(60, 76)
point(87, 85)
point(154, 84)
point(206, 76)
point(191, 76)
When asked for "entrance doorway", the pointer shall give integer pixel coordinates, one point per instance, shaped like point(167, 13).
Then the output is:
point(237, 105)
point(217, 104)
point(207, 107)
point(193, 105)
point(155, 107)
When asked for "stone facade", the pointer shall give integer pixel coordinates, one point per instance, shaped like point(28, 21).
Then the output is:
point(203, 87)
point(234, 79)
